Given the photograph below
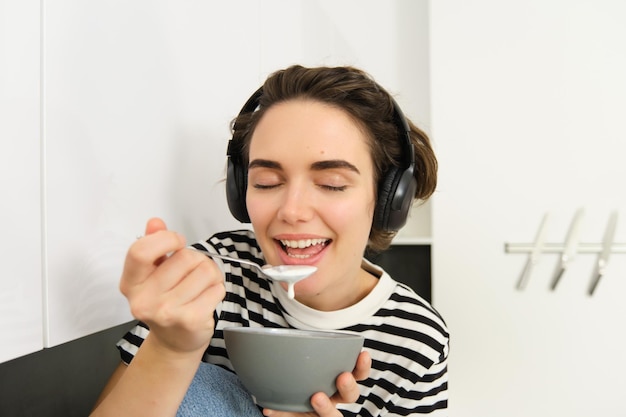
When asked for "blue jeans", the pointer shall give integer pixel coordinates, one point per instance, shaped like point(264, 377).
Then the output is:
point(216, 392)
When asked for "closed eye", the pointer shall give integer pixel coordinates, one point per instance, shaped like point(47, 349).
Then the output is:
point(333, 187)
point(265, 186)
point(264, 174)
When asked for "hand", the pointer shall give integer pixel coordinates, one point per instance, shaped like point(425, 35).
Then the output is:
point(174, 290)
point(347, 392)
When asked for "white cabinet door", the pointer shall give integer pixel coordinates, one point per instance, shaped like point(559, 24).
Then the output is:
point(20, 218)
point(138, 99)
point(528, 105)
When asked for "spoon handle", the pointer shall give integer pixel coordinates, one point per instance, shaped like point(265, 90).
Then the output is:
point(228, 258)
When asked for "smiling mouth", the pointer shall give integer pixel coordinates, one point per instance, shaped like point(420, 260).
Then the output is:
point(304, 248)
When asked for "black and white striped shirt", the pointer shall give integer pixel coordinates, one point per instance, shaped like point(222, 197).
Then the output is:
point(406, 338)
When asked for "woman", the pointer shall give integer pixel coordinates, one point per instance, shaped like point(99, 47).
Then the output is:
point(324, 165)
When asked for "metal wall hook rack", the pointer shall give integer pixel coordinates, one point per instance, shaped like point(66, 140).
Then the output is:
point(560, 247)
point(568, 250)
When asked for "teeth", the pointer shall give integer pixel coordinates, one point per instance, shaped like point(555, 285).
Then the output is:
point(301, 244)
point(299, 256)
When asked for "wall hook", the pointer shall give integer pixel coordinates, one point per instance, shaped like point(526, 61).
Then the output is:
point(568, 250)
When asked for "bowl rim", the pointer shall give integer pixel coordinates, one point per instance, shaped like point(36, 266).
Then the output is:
point(290, 332)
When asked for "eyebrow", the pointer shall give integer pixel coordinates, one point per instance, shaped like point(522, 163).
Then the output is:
point(334, 164)
point(264, 163)
point(315, 166)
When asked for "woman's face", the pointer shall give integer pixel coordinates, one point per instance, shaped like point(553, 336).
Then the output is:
point(311, 198)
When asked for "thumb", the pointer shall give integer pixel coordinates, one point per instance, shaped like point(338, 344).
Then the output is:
point(154, 225)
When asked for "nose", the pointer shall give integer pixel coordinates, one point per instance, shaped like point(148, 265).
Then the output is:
point(296, 205)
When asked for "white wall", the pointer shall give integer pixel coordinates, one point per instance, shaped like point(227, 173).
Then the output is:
point(20, 215)
point(21, 326)
point(528, 104)
point(137, 98)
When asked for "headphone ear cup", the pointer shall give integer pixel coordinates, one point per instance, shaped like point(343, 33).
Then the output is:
point(395, 197)
point(385, 191)
point(236, 185)
point(236, 171)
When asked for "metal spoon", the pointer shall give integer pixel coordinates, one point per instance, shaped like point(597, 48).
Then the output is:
point(284, 273)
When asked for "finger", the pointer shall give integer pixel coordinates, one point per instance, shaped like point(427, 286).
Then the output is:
point(179, 265)
point(202, 277)
point(207, 301)
point(197, 315)
point(154, 225)
point(363, 366)
point(149, 252)
point(189, 306)
point(158, 244)
point(323, 406)
point(347, 389)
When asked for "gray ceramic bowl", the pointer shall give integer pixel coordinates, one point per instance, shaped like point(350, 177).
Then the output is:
point(283, 368)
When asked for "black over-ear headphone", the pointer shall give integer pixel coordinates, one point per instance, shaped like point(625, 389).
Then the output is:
point(396, 189)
